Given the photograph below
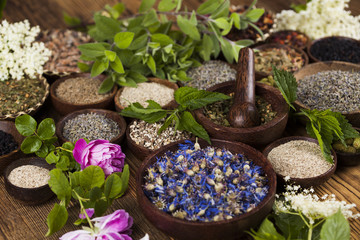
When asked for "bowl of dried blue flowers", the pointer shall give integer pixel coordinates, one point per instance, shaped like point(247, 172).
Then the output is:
point(199, 191)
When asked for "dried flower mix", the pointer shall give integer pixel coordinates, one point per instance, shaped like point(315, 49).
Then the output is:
point(80, 90)
point(29, 176)
point(281, 58)
point(146, 134)
point(218, 111)
point(7, 143)
point(209, 184)
point(338, 90)
point(290, 38)
point(298, 159)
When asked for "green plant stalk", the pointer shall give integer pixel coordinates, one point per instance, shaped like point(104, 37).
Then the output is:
point(83, 210)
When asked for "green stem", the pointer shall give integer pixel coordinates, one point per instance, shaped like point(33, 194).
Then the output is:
point(317, 224)
point(310, 232)
point(64, 149)
point(83, 209)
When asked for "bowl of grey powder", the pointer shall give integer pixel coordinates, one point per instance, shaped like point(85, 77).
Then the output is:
point(158, 90)
point(26, 179)
point(300, 159)
point(80, 91)
point(91, 124)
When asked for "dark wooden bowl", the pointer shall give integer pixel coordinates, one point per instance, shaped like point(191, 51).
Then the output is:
point(107, 113)
point(139, 152)
point(258, 136)
point(64, 107)
point(281, 46)
point(277, 35)
point(314, 68)
point(170, 105)
point(225, 230)
point(30, 196)
point(304, 182)
point(9, 127)
point(319, 40)
point(348, 159)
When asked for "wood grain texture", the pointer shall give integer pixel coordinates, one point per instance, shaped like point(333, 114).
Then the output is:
point(18, 221)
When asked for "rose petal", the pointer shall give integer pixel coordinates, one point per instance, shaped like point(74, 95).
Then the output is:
point(89, 211)
point(77, 235)
point(80, 145)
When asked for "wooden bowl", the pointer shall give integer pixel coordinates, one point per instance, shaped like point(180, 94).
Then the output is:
point(139, 151)
point(9, 127)
point(30, 196)
point(348, 159)
point(107, 113)
point(314, 68)
point(64, 107)
point(321, 40)
point(279, 46)
point(225, 230)
point(170, 105)
point(258, 136)
point(304, 182)
point(278, 36)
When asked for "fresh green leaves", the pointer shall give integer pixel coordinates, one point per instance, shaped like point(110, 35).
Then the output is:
point(123, 39)
point(335, 227)
point(60, 185)
point(56, 219)
point(26, 125)
point(286, 82)
point(188, 27)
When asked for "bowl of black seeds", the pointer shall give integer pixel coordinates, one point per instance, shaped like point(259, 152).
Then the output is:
point(10, 142)
point(80, 91)
point(196, 191)
point(91, 124)
point(26, 179)
point(335, 48)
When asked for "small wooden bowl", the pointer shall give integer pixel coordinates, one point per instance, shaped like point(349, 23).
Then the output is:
point(314, 68)
point(225, 230)
point(170, 105)
point(139, 152)
point(304, 182)
point(107, 113)
point(9, 127)
point(348, 159)
point(258, 136)
point(279, 46)
point(279, 36)
point(29, 196)
point(320, 40)
point(64, 107)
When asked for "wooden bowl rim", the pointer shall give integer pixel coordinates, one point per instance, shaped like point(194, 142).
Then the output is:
point(4, 126)
point(152, 158)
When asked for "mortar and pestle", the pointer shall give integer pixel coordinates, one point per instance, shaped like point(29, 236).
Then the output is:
point(243, 115)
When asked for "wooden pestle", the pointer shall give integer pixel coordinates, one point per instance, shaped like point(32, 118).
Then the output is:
point(243, 112)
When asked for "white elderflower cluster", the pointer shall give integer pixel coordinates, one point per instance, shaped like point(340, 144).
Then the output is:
point(20, 56)
point(310, 205)
point(320, 19)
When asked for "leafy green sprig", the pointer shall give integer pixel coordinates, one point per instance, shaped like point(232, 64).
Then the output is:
point(89, 186)
point(188, 99)
point(326, 126)
point(131, 49)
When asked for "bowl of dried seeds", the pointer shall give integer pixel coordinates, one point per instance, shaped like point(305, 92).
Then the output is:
point(26, 179)
point(272, 108)
point(91, 124)
point(334, 85)
point(142, 138)
point(80, 91)
point(197, 191)
point(300, 159)
point(348, 155)
point(156, 89)
point(10, 142)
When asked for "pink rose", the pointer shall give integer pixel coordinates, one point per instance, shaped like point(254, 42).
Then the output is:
point(100, 153)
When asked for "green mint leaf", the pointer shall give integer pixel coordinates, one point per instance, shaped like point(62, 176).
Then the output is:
point(146, 5)
point(222, 11)
point(123, 39)
point(244, 42)
point(92, 49)
point(192, 98)
point(129, 82)
point(216, 46)
point(236, 19)
point(138, 78)
point(255, 14)
point(110, 55)
point(125, 176)
point(69, 20)
point(106, 26)
point(267, 231)
point(335, 227)
point(101, 205)
point(188, 123)
point(163, 39)
point(83, 67)
point(60, 185)
point(52, 158)
point(346, 128)
point(151, 64)
point(92, 176)
point(167, 5)
point(117, 65)
point(188, 28)
point(286, 82)
point(139, 42)
point(169, 120)
point(227, 50)
point(106, 85)
point(222, 23)
point(26, 125)
point(46, 129)
point(43, 151)
point(150, 19)
point(63, 163)
point(150, 115)
point(56, 219)
point(113, 186)
point(99, 67)
point(31, 144)
point(95, 194)
point(208, 7)
point(119, 7)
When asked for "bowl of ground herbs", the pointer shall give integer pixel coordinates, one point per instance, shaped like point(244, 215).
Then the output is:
point(26, 179)
point(80, 91)
point(300, 160)
point(199, 191)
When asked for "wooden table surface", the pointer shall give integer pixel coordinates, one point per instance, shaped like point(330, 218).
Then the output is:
point(18, 221)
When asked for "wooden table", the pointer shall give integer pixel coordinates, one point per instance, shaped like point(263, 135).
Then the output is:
point(21, 222)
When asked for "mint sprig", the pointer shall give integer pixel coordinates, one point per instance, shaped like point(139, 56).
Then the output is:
point(188, 99)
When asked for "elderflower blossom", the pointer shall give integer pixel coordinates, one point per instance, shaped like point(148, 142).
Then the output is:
point(310, 205)
point(320, 19)
point(19, 55)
